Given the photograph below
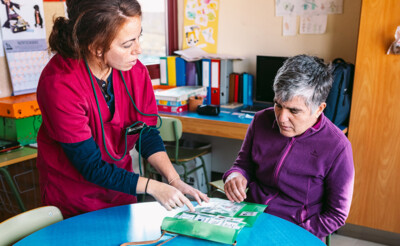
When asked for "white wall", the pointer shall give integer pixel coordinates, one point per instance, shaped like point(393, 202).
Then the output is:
point(250, 28)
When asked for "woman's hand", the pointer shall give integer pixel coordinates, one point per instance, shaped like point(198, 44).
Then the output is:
point(235, 187)
point(167, 195)
point(189, 190)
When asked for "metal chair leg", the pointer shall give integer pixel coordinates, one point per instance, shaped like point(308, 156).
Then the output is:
point(14, 190)
point(328, 240)
point(203, 163)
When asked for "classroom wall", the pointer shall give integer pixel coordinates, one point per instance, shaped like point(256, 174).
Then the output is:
point(250, 28)
point(51, 9)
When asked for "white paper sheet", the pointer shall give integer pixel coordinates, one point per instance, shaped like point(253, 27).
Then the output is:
point(315, 24)
point(289, 25)
point(195, 53)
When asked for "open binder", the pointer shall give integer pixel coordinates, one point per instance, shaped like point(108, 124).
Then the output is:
point(218, 220)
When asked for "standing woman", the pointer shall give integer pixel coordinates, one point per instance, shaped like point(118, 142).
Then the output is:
point(89, 93)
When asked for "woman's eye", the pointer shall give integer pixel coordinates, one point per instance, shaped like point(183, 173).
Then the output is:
point(128, 45)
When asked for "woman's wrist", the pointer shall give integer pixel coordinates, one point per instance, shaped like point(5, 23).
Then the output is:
point(147, 184)
point(174, 180)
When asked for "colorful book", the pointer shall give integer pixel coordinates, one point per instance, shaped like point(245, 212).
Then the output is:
point(232, 87)
point(240, 89)
point(206, 76)
point(191, 75)
point(163, 71)
point(226, 70)
point(180, 71)
point(215, 81)
point(171, 67)
point(172, 109)
point(180, 93)
point(172, 103)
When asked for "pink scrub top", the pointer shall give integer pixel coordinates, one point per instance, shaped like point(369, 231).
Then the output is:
point(70, 115)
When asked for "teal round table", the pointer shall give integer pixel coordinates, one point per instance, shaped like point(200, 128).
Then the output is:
point(142, 221)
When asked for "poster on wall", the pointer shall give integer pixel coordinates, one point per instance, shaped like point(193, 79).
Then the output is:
point(201, 24)
point(313, 14)
point(24, 41)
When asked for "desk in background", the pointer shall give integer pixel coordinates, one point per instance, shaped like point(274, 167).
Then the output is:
point(142, 221)
point(227, 124)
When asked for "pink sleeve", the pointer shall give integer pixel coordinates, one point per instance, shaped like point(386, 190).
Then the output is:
point(64, 108)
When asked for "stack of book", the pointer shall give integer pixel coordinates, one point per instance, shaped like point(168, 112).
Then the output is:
point(175, 100)
point(210, 73)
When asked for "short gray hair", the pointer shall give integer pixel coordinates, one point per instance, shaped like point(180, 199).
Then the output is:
point(305, 76)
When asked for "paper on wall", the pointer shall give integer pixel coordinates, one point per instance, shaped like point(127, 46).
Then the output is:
point(200, 23)
point(307, 10)
point(289, 25)
point(24, 38)
point(315, 24)
point(308, 7)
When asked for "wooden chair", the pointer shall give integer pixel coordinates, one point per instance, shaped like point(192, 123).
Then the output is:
point(26, 223)
point(171, 131)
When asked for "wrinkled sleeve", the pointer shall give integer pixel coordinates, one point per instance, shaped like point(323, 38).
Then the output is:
point(85, 156)
point(149, 143)
point(243, 162)
point(64, 109)
point(339, 185)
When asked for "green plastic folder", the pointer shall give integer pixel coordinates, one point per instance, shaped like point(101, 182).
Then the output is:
point(219, 220)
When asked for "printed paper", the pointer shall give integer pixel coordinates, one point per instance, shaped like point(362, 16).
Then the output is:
point(313, 24)
point(307, 10)
point(289, 25)
point(24, 41)
point(201, 24)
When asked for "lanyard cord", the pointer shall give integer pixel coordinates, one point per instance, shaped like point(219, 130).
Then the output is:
point(148, 128)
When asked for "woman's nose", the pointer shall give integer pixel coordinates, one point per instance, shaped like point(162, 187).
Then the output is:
point(137, 50)
point(283, 115)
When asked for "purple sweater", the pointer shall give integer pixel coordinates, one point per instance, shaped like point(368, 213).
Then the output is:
point(307, 179)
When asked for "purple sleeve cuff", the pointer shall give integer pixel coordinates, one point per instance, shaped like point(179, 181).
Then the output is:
point(238, 170)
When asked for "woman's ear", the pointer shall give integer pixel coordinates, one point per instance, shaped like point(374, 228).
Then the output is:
point(319, 110)
point(95, 52)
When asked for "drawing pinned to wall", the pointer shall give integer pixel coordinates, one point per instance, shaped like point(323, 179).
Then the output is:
point(24, 41)
point(313, 24)
point(289, 25)
point(201, 24)
point(311, 14)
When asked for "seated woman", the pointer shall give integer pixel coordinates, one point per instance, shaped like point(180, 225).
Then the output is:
point(293, 158)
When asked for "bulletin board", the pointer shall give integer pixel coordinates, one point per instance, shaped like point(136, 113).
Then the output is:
point(201, 24)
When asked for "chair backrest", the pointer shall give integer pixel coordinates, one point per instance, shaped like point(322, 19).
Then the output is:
point(171, 129)
point(24, 224)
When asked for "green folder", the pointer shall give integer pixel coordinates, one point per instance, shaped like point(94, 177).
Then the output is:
point(219, 220)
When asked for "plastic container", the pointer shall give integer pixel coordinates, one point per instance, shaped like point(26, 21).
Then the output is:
point(19, 106)
point(23, 130)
